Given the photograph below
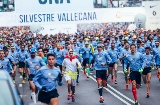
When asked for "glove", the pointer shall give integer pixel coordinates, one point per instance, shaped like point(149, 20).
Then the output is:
point(125, 70)
point(43, 89)
point(60, 77)
point(60, 83)
point(80, 55)
point(140, 70)
point(152, 68)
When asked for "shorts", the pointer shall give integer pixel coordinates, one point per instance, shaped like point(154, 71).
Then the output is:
point(31, 76)
point(21, 64)
point(101, 74)
point(69, 78)
point(135, 75)
point(146, 70)
point(112, 64)
point(60, 66)
point(85, 61)
point(158, 66)
point(45, 97)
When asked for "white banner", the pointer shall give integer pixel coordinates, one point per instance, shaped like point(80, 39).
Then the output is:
point(152, 14)
point(52, 5)
point(91, 16)
point(58, 28)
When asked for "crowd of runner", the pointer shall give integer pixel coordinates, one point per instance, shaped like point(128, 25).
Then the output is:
point(44, 59)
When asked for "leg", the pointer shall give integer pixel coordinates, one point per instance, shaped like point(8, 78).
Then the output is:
point(134, 90)
point(33, 94)
point(148, 83)
point(54, 101)
point(144, 79)
point(115, 71)
point(69, 89)
point(77, 76)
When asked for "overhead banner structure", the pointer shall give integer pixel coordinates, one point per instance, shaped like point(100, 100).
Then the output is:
point(52, 5)
point(75, 17)
point(152, 9)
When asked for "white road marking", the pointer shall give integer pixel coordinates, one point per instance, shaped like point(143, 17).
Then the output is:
point(120, 93)
point(120, 72)
point(91, 73)
point(20, 85)
point(113, 93)
point(20, 77)
point(94, 76)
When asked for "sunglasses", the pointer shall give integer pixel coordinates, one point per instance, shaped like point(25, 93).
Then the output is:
point(70, 53)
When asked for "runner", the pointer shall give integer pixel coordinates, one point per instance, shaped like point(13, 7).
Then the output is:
point(22, 56)
point(148, 64)
point(69, 67)
point(135, 61)
point(101, 59)
point(113, 53)
point(123, 55)
point(33, 64)
point(45, 80)
point(5, 63)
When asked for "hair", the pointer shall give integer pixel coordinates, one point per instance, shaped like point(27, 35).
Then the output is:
point(40, 48)
point(45, 50)
point(147, 48)
point(133, 45)
point(48, 55)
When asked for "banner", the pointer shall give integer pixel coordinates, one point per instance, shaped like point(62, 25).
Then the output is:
point(58, 28)
point(52, 5)
point(74, 17)
point(152, 9)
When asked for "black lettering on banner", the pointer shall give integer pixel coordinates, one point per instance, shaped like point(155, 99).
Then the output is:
point(51, 1)
point(42, 1)
point(154, 13)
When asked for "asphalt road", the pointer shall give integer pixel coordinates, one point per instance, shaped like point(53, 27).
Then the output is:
point(87, 92)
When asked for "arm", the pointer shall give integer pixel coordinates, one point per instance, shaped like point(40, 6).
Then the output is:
point(36, 78)
point(42, 63)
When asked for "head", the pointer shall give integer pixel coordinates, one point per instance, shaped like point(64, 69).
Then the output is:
point(33, 52)
point(147, 49)
point(86, 44)
point(112, 45)
point(12, 48)
point(1, 54)
point(40, 51)
point(6, 52)
point(99, 47)
point(22, 47)
point(70, 52)
point(133, 48)
point(45, 52)
point(51, 60)
point(143, 44)
point(156, 43)
point(138, 44)
point(127, 45)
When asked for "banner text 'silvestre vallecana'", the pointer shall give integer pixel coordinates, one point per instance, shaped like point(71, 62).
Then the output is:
point(77, 16)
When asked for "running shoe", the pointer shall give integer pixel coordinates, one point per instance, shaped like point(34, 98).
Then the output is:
point(106, 85)
point(136, 102)
point(112, 79)
point(101, 100)
point(73, 99)
point(147, 95)
point(127, 87)
point(69, 96)
point(23, 81)
point(115, 82)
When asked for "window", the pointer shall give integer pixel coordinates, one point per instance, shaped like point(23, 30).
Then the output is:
point(5, 94)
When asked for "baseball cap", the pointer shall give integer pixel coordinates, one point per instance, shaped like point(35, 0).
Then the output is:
point(32, 50)
point(86, 43)
point(99, 45)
